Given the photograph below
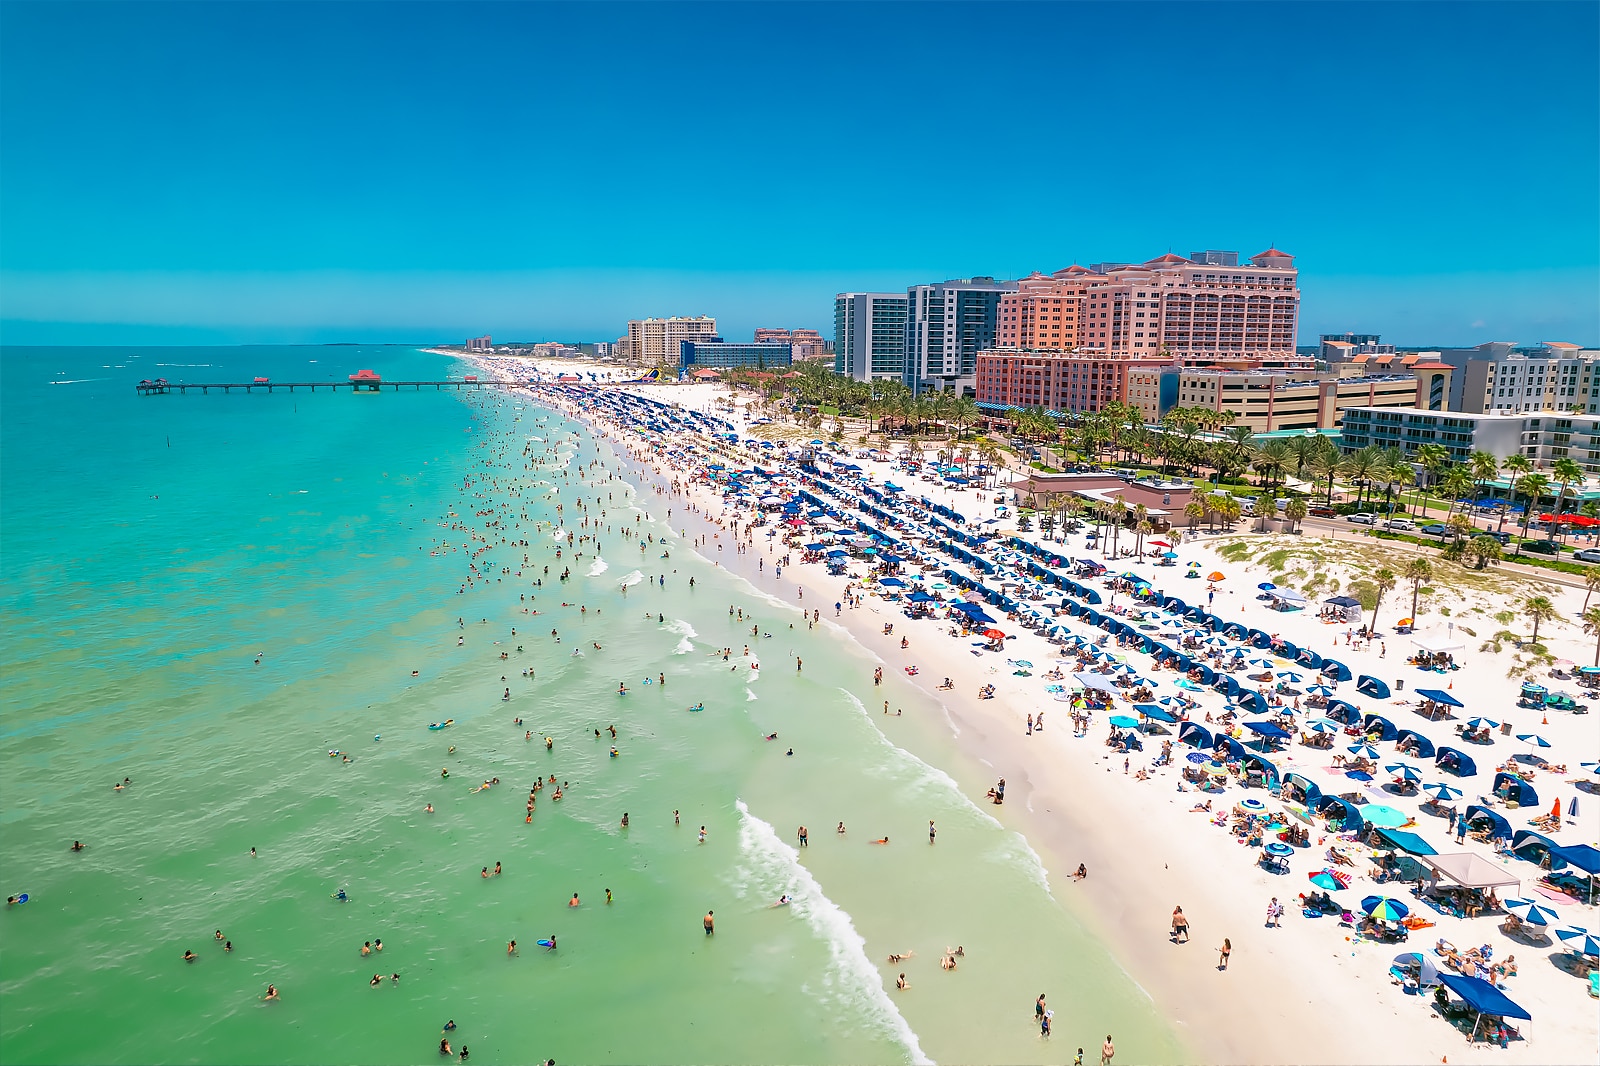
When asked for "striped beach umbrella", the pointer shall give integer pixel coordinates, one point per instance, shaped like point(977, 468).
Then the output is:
point(1403, 771)
point(1531, 911)
point(1384, 909)
point(1323, 725)
point(1481, 723)
point(1441, 792)
point(1580, 940)
point(1363, 751)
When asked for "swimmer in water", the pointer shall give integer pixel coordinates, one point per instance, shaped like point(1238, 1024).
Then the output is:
point(272, 993)
point(189, 956)
point(881, 840)
point(783, 900)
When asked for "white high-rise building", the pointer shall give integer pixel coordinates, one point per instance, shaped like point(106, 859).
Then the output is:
point(869, 335)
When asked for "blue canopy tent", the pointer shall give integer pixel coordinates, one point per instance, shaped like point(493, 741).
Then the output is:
point(1307, 657)
point(919, 597)
point(1439, 696)
point(1382, 726)
point(1483, 997)
point(1150, 710)
point(1406, 841)
point(1371, 686)
point(1343, 711)
point(1424, 747)
point(1457, 762)
point(1195, 735)
point(1480, 817)
point(1515, 789)
point(1353, 822)
point(1335, 669)
point(1584, 856)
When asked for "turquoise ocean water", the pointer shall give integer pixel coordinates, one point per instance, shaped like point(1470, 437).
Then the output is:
point(152, 548)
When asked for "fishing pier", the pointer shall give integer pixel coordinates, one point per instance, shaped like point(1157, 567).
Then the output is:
point(365, 381)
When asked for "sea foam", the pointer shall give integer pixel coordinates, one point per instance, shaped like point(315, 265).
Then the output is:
point(770, 868)
point(599, 566)
point(686, 634)
point(632, 577)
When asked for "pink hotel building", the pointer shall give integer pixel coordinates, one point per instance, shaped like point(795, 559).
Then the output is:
point(1067, 341)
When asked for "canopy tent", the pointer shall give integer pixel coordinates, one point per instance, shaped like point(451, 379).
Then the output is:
point(1150, 710)
point(1471, 871)
point(1096, 682)
point(1287, 596)
point(1483, 997)
point(1436, 643)
point(1342, 601)
point(1253, 702)
point(1196, 735)
point(1371, 686)
point(1533, 847)
point(1439, 696)
point(1406, 841)
point(1424, 747)
point(1584, 856)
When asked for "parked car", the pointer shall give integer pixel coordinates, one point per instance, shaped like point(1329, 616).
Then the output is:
point(1434, 529)
point(1362, 518)
point(1587, 555)
point(1320, 512)
point(1541, 547)
point(1402, 524)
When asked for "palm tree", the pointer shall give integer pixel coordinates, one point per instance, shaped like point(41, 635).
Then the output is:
point(1460, 525)
point(1457, 482)
point(1266, 507)
point(1361, 467)
point(1591, 624)
point(1434, 459)
point(1194, 510)
point(1515, 466)
point(1540, 609)
point(1591, 584)
point(1326, 464)
point(1533, 486)
point(1295, 511)
point(1419, 572)
point(1484, 468)
point(1567, 473)
point(1383, 580)
point(1483, 550)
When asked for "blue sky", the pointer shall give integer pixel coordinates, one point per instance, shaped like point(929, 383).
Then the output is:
point(308, 172)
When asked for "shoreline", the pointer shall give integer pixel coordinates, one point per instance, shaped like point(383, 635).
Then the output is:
point(1068, 805)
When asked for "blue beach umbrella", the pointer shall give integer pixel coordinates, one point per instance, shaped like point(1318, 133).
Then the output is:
point(1403, 771)
point(1358, 775)
point(1289, 676)
point(1441, 792)
point(1533, 740)
point(1320, 690)
point(1326, 880)
point(1364, 751)
point(1324, 726)
point(1580, 940)
point(1531, 911)
point(1122, 721)
point(1481, 723)
point(1266, 586)
point(1262, 662)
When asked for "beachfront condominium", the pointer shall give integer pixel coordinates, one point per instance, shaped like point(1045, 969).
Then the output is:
point(1270, 401)
point(869, 335)
point(947, 324)
point(717, 354)
point(1341, 347)
point(655, 341)
point(1553, 376)
point(1543, 437)
point(480, 344)
point(807, 343)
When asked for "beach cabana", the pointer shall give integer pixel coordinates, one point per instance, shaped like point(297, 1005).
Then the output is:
point(1264, 767)
point(1343, 711)
point(1368, 685)
point(1535, 848)
point(1287, 650)
point(1234, 630)
point(1297, 788)
point(1353, 822)
point(1208, 676)
point(1257, 639)
point(1514, 789)
point(1377, 723)
point(1483, 999)
point(1231, 748)
point(1423, 747)
point(1226, 684)
point(1335, 669)
point(1483, 819)
point(1195, 735)
point(1457, 762)
point(1307, 657)
point(1252, 702)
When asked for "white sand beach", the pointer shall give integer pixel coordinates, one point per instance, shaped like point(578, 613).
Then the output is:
point(1311, 989)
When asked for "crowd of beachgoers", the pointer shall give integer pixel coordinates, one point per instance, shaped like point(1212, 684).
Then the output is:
point(1390, 807)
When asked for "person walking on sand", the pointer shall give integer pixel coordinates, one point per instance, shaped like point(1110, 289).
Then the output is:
point(1180, 926)
point(1223, 952)
point(1274, 912)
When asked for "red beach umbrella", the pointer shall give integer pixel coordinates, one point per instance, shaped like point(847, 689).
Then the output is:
point(994, 634)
